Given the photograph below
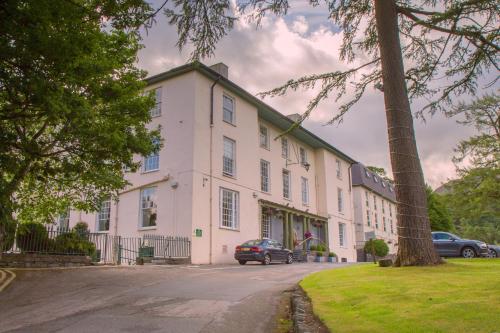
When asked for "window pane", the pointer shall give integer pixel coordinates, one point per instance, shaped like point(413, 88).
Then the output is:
point(229, 209)
point(305, 190)
point(342, 234)
point(284, 147)
point(152, 162)
point(228, 109)
point(286, 184)
point(156, 110)
point(266, 225)
point(148, 207)
point(228, 163)
point(264, 176)
point(340, 202)
point(103, 216)
point(303, 156)
point(264, 141)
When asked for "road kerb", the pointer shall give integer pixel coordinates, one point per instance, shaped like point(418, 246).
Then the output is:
point(6, 277)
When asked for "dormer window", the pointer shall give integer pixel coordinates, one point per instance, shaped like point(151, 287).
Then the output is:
point(375, 178)
point(383, 184)
point(367, 173)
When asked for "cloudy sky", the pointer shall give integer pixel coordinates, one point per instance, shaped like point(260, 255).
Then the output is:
point(306, 43)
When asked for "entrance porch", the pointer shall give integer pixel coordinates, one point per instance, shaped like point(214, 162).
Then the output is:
point(288, 225)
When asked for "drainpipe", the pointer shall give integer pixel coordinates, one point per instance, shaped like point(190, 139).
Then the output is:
point(211, 165)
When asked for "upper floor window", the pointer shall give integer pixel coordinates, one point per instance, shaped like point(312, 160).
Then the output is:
point(392, 226)
point(340, 198)
point(264, 175)
point(303, 156)
point(228, 109)
point(103, 216)
point(367, 201)
point(148, 207)
point(342, 235)
point(284, 148)
point(228, 158)
point(286, 184)
point(339, 168)
point(368, 220)
point(390, 210)
point(384, 223)
point(264, 137)
point(229, 208)
point(383, 207)
point(374, 201)
point(156, 110)
point(376, 221)
point(305, 190)
point(152, 162)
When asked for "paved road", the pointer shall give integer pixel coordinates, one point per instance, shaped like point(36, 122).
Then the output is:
point(229, 298)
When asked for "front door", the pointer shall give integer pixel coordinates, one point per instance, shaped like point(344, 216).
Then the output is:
point(277, 229)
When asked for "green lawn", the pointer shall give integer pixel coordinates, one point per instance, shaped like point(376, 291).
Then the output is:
point(460, 296)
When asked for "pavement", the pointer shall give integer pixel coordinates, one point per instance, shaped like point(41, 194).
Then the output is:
point(215, 298)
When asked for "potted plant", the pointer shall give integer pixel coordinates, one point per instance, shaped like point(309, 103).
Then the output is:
point(319, 256)
point(332, 257)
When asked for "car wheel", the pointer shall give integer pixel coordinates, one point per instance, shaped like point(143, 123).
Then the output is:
point(242, 262)
point(493, 253)
point(289, 259)
point(468, 252)
point(267, 260)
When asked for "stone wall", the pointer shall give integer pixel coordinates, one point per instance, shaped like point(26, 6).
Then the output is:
point(36, 260)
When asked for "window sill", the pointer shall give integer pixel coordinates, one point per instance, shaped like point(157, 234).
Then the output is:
point(229, 123)
point(102, 231)
point(155, 116)
point(266, 148)
point(150, 171)
point(229, 229)
point(229, 176)
point(146, 228)
point(266, 192)
point(287, 199)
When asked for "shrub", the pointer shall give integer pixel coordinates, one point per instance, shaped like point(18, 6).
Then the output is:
point(9, 234)
point(321, 248)
point(331, 254)
point(380, 247)
point(313, 247)
point(33, 237)
point(82, 230)
point(72, 243)
point(319, 254)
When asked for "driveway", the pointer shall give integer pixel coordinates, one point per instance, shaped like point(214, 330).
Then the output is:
point(225, 298)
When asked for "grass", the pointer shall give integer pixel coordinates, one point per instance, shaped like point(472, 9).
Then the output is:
point(459, 296)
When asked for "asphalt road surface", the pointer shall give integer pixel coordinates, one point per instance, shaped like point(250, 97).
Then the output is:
point(184, 299)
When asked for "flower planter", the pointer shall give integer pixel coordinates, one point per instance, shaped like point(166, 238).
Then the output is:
point(319, 259)
point(332, 259)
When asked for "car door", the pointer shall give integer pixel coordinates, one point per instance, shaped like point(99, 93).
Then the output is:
point(275, 250)
point(444, 244)
point(283, 251)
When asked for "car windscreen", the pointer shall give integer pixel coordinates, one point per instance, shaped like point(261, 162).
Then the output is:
point(255, 242)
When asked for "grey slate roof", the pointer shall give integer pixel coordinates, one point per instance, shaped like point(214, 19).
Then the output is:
point(361, 176)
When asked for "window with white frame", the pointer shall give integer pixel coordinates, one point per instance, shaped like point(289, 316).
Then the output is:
point(303, 156)
point(266, 225)
point(264, 175)
point(390, 210)
point(383, 206)
point(305, 190)
point(368, 220)
point(152, 162)
point(229, 209)
point(228, 158)
point(228, 109)
point(286, 184)
point(392, 226)
point(156, 110)
point(376, 221)
point(342, 235)
point(340, 200)
point(63, 220)
point(384, 223)
point(367, 201)
point(284, 148)
point(264, 137)
point(148, 208)
point(103, 216)
point(339, 169)
point(375, 202)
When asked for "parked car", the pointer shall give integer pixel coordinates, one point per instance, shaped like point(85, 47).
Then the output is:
point(450, 245)
point(263, 250)
point(494, 251)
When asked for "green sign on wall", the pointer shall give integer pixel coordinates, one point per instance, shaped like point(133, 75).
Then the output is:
point(198, 232)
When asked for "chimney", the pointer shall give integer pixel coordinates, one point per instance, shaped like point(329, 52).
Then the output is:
point(222, 69)
point(294, 117)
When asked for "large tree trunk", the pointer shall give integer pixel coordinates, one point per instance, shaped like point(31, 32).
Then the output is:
point(415, 241)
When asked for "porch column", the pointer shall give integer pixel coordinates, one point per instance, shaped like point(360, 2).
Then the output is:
point(290, 229)
point(285, 228)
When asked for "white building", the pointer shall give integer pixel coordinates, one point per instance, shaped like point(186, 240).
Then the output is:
point(222, 177)
point(374, 209)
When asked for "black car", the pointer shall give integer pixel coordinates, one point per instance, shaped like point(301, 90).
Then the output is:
point(450, 245)
point(263, 250)
point(494, 251)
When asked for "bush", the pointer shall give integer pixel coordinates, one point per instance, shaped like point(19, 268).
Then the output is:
point(331, 254)
point(313, 247)
point(33, 237)
point(72, 243)
point(82, 230)
point(380, 247)
point(9, 234)
point(319, 254)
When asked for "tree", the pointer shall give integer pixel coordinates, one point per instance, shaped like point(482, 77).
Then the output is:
point(457, 39)
point(380, 172)
point(439, 216)
point(473, 198)
point(71, 110)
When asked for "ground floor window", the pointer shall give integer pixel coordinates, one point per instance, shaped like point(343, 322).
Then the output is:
point(148, 207)
point(63, 220)
point(342, 235)
point(266, 225)
point(103, 216)
point(229, 205)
